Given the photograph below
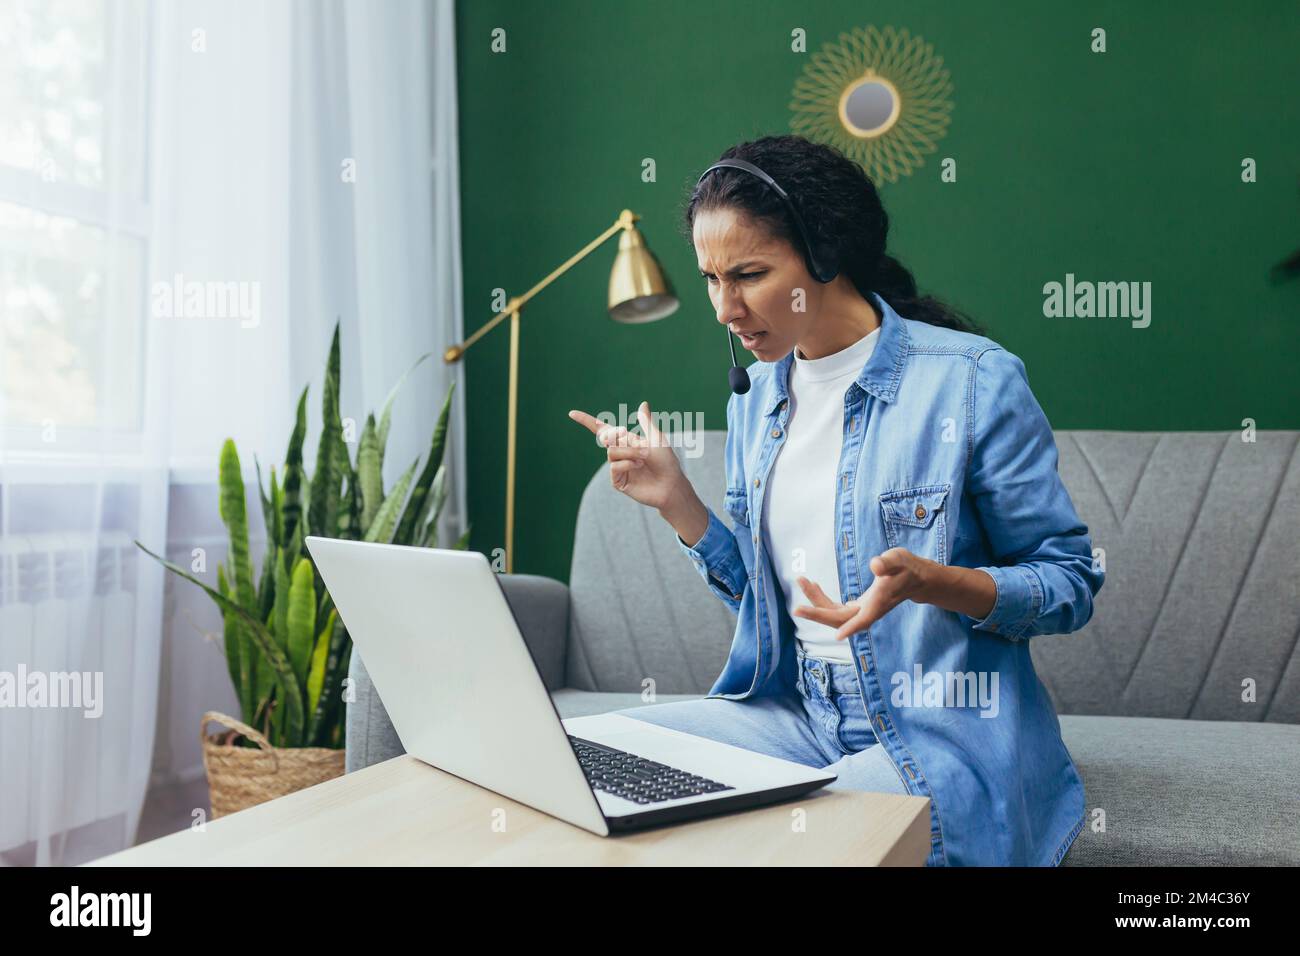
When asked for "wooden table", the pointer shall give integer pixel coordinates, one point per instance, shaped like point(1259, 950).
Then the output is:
point(403, 812)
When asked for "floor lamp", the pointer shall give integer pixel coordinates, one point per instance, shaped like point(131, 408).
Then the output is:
point(638, 292)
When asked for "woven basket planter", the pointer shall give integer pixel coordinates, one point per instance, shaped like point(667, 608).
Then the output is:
point(241, 777)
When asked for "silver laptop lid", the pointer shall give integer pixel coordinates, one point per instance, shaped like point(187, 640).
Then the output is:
point(442, 647)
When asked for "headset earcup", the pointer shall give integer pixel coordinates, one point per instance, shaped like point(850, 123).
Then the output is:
point(823, 270)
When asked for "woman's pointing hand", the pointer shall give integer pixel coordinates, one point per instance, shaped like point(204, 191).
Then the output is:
point(643, 467)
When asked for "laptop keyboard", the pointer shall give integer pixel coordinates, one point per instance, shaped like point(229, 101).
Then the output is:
point(636, 778)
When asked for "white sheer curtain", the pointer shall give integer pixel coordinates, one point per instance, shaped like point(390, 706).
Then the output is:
point(303, 156)
point(83, 431)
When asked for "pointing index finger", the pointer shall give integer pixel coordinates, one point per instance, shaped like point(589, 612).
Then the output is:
point(595, 425)
point(607, 434)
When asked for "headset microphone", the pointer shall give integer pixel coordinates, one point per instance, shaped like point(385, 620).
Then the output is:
point(737, 377)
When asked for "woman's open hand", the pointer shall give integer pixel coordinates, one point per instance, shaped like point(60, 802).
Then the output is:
point(643, 467)
point(899, 576)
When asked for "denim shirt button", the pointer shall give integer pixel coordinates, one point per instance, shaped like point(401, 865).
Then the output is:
point(776, 433)
point(920, 511)
point(756, 482)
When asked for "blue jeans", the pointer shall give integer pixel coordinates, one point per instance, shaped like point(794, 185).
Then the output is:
point(824, 725)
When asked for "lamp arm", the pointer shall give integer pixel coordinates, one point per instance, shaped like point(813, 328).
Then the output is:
point(625, 220)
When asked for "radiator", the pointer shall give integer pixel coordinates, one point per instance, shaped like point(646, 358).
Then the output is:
point(67, 603)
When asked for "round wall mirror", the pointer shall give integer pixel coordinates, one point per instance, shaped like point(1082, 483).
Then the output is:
point(870, 106)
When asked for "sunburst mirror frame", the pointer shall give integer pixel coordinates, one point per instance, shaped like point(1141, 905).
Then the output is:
point(882, 66)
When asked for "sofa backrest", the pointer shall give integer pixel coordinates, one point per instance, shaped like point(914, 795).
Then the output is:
point(1199, 532)
point(638, 609)
point(1201, 539)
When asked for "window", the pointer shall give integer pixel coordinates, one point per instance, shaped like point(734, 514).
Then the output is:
point(74, 221)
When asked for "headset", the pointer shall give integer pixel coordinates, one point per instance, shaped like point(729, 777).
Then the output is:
point(737, 377)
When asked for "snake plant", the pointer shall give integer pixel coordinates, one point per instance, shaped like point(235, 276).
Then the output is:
point(286, 648)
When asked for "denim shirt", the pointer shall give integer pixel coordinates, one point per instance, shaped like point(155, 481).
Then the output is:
point(946, 453)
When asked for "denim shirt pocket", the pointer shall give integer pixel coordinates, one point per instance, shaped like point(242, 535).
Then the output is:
point(916, 519)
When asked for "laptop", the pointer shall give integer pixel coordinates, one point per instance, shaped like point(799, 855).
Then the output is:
point(446, 655)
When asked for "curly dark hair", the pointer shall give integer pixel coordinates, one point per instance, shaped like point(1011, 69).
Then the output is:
point(841, 209)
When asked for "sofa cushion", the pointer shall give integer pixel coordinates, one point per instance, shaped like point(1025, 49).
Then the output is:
point(1186, 792)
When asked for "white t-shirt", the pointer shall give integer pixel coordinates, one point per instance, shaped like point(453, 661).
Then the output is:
point(799, 513)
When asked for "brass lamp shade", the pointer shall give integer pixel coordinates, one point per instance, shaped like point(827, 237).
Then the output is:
point(638, 289)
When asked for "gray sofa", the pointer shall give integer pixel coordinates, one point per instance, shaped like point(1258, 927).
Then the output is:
point(1179, 701)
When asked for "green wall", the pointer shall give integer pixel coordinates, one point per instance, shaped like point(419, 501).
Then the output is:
point(1116, 166)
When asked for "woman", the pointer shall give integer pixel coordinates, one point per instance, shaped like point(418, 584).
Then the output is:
point(899, 527)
